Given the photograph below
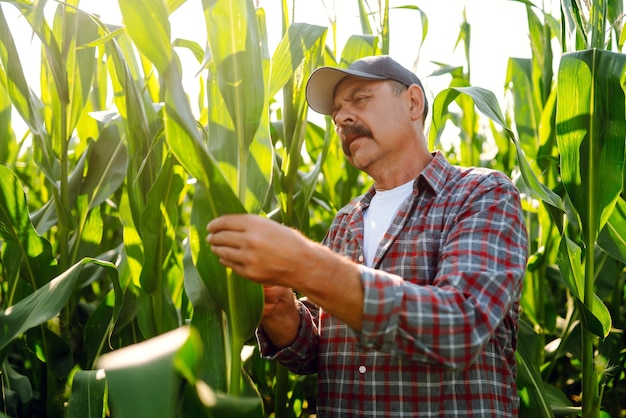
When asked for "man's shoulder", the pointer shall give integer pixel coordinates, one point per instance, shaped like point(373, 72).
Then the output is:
point(482, 176)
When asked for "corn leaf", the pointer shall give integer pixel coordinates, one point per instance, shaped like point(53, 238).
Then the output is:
point(208, 318)
point(529, 379)
point(296, 58)
point(238, 114)
point(159, 221)
point(26, 103)
point(574, 38)
point(46, 217)
point(81, 62)
point(87, 399)
point(595, 315)
point(233, 36)
point(612, 238)
point(290, 53)
point(147, 24)
point(139, 118)
point(143, 378)
point(47, 301)
point(527, 113)
point(358, 46)
point(486, 102)
point(240, 299)
point(18, 232)
point(591, 127)
point(108, 158)
point(172, 5)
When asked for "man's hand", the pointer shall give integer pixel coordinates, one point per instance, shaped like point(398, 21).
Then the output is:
point(272, 254)
point(281, 319)
point(258, 248)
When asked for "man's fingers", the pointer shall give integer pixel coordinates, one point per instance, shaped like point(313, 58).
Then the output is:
point(234, 222)
point(225, 238)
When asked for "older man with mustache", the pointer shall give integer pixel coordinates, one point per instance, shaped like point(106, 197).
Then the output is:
point(412, 300)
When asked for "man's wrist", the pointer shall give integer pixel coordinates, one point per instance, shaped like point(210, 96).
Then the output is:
point(282, 328)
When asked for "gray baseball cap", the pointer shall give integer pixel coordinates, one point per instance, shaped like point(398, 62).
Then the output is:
point(320, 89)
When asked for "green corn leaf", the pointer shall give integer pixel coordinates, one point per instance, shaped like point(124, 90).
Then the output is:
point(207, 317)
point(47, 301)
point(17, 230)
point(423, 20)
point(529, 378)
point(81, 62)
point(158, 223)
point(487, 103)
point(143, 379)
point(238, 114)
point(139, 117)
point(291, 51)
point(182, 132)
point(46, 217)
point(88, 236)
point(108, 158)
point(26, 103)
point(147, 23)
point(519, 74)
point(358, 46)
point(595, 315)
point(97, 332)
point(214, 197)
point(87, 399)
point(172, 5)
point(296, 58)
point(17, 383)
point(612, 238)
point(574, 38)
point(233, 36)
point(8, 147)
point(364, 19)
point(240, 299)
point(53, 54)
point(591, 127)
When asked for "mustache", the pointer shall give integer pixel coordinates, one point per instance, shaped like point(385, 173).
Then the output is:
point(349, 132)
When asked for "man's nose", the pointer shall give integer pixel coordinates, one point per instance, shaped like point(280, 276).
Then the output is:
point(344, 117)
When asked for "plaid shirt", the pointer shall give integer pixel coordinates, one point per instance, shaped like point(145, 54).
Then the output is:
point(441, 305)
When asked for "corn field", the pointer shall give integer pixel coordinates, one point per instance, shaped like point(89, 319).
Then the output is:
point(111, 302)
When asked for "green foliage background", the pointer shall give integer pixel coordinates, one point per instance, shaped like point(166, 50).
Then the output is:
point(111, 303)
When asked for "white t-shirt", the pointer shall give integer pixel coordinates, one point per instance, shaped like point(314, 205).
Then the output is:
point(378, 217)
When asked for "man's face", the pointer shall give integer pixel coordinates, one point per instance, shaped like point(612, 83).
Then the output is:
point(372, 121)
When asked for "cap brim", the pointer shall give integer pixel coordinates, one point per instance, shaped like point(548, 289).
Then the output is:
point(320, 88)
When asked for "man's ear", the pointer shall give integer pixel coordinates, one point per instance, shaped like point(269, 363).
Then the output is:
point(416, 94)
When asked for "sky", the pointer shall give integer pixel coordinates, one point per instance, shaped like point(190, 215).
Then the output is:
point(498, 31)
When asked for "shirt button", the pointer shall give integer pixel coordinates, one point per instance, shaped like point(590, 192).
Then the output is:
point(362, 369)
point(360, 258)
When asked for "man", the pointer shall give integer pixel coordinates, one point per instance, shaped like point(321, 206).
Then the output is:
point(419, 280)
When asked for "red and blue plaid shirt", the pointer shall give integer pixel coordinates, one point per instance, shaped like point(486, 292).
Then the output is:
point(441, 305)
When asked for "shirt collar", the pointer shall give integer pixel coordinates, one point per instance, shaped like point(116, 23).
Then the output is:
point(435, 174)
